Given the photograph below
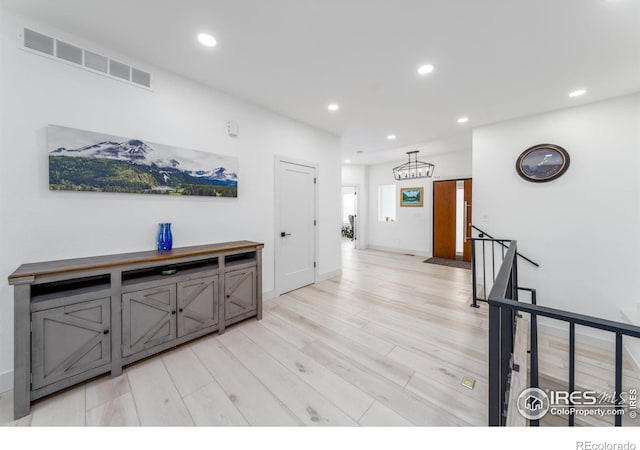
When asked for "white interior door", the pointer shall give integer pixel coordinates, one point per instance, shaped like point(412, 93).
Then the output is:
point(295, 238)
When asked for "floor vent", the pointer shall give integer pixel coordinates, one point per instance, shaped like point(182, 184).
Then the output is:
point(82, 58)
point(468, 382)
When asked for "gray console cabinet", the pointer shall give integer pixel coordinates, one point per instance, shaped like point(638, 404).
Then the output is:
point(76, 319)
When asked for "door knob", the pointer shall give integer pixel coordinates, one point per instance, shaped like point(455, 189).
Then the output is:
point(283, 234)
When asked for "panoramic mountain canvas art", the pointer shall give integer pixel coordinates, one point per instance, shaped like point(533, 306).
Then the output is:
point(86, 161)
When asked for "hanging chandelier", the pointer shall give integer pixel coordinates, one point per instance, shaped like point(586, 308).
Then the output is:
point(413, 168)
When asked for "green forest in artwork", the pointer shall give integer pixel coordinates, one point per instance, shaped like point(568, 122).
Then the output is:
point(82, 160)
point(411, 196)
point(107, 175)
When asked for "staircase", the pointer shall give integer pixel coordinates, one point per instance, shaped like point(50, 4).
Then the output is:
point(569, 371)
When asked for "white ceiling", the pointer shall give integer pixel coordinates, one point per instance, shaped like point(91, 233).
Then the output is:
point(494, 59)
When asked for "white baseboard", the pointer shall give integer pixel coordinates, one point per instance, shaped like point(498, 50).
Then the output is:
point(403, 251)
point(268, 295)
point(328, 275)
point(632, 355)
point(6, 381)
point(604, 341)
point(632, 346)
point(583, 336)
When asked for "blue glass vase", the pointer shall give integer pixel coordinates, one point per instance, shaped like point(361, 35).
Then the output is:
point(165, 238)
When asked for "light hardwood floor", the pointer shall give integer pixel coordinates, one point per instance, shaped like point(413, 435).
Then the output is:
point(594, 371)
point(385, 344)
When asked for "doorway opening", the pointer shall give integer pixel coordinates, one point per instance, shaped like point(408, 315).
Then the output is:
point(452, 219)
point(459, 219)
point(350, 216)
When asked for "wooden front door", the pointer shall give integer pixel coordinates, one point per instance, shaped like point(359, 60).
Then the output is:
point(466, 255)
point(444, 219)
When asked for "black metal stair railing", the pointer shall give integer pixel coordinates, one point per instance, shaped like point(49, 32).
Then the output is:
point(503, 307)
point(486, 247)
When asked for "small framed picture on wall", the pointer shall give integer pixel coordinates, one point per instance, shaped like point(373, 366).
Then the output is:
point(411, 196)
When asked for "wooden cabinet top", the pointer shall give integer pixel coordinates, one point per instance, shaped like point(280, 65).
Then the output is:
point(108, 261)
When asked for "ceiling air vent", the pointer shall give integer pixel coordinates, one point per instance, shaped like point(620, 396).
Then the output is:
point(140, 77)
point(69, 52)
point(58, 50)
point(119, 70)
point(38, 42)
point(96, 62)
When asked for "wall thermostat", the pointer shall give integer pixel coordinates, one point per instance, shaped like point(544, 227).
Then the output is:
point(232, 128)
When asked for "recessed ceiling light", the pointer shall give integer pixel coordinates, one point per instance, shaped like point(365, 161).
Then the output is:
point(333, 107)
point(207, 40)
point(391, 137)
point(347, 161)
point(463, 120)
point(427, 68)
point(578, 93)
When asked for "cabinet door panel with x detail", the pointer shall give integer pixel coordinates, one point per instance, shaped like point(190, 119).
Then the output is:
point(148, 318)
point(197, 304)
point(240, 292)
point(70, 340)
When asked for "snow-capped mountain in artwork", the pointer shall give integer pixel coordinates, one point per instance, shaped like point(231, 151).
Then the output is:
point(135, 151)
point(75, 155)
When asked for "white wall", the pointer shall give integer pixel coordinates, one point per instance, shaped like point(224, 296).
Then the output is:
point(39, 225)
point(584, 227)
point(460, 217)
point(358, 175)
point(412, 232)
